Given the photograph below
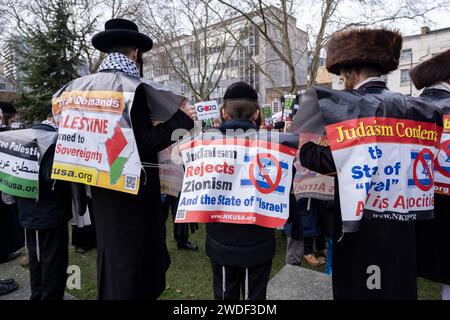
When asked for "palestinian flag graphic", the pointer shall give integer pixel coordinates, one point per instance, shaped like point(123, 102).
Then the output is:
point(115, 148)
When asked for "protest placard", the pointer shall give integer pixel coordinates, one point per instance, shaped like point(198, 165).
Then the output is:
point(20, 153)
point(96, 144)
point(442, 163)
point(267, 114)
point(241, 180)
point(289, 101)
point(170, 173)
point(207, 110)
point(308, 124)
point(384, 160)
point(309, 184)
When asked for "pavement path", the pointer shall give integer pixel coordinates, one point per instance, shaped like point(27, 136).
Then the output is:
point(13, 269)
point(297, 283)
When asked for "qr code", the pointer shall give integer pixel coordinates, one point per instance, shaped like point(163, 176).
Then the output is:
point(181, 214)
point(131, 182)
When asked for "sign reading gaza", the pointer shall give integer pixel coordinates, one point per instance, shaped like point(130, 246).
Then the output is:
point(241, 180)
point(207, 110)
point(384, 163)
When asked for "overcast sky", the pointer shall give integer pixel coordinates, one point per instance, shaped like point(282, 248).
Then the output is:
point(439, 18)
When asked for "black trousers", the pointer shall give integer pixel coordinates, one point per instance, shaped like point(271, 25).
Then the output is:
point(48, 259)
point(11, 233)
point(252, 282)
point(309, 244)
point(390, 247)
point(85, 237)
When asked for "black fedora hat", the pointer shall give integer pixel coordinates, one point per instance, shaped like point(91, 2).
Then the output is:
point(121, 33)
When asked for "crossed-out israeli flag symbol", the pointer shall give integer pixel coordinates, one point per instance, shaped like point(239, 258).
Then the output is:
point(422, 173)
point(272, 171)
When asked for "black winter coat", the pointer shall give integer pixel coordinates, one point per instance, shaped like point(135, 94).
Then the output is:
point(54, 207)
point(132, 255)
point(433, 236)
point(389, 245)
point(11, 233)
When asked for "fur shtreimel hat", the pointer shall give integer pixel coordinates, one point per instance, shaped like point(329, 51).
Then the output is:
point(379, 48)
point(431, 71)
point(121, 33)
point(240, 91)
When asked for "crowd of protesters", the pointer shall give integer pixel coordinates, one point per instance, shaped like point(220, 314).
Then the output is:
point(129, 230)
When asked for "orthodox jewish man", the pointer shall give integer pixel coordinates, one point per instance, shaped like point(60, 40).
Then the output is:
point(433, 236)
point(132, 254)
point(11, 233)
point(374, 252)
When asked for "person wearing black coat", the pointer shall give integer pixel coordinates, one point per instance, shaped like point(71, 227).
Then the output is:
point(180, 230)
point(132, 256)
point(433, 236)
point(241, 255)
point(384, 245)
point(11, 233)
point(47, 235)
point(83, 222)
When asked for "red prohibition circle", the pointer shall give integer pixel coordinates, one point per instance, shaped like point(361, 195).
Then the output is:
point(272, 185)
point(445, 146)
point(421, 158)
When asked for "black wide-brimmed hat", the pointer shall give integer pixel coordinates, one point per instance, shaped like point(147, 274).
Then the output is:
point(121, 33)
point(379, 48)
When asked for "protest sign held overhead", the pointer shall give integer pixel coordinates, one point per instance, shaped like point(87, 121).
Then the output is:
point(96, 144)
point(207, 110)
point(20, 155)
point(267, 114)
point(243, 179)
point(384, 156)
point(289, 101)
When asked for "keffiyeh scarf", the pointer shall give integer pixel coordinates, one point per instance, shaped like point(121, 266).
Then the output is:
point(118, 61)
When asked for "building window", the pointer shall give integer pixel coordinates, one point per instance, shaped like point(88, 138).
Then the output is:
point(406, 54)
point(404, 77)
point(2, 86)
point(275, 107)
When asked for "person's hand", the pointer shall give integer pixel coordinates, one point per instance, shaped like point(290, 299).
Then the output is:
point(189, 110)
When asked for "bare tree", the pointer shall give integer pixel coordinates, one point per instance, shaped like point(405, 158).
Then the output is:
point(338, 15)
point(190, 43)
point(332, 15)
point(98, 12)
point(88, 16)
point(275, 23)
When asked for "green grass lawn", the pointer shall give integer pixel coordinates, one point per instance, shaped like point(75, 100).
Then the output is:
point(190, 277)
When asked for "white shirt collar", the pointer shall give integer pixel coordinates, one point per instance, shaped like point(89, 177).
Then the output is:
point(440, 86)
point(378, 79)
